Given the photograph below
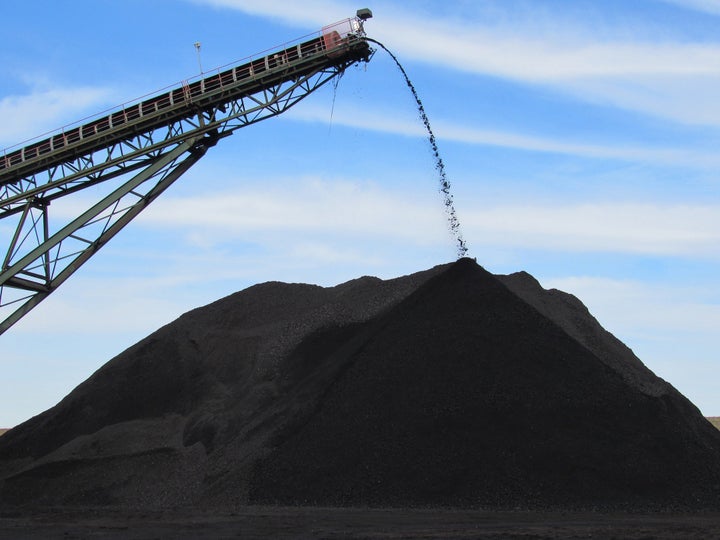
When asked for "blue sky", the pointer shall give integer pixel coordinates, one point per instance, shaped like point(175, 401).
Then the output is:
point(580, 138)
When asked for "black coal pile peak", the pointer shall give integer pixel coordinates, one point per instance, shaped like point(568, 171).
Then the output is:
point(449, 387)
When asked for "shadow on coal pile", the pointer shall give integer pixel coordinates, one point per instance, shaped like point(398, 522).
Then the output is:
point(446, 388)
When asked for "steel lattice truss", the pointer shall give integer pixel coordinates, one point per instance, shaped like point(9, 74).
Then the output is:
point(45, 249)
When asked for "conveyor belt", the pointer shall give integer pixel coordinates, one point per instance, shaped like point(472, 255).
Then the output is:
point(137, 151)
point(333, 46)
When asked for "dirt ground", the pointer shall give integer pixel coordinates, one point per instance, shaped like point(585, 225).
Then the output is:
point(279, 523)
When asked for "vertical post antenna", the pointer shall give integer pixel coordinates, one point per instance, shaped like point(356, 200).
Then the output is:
point(197, 48)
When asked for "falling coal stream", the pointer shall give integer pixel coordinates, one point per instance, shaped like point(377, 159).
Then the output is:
point(453, 222)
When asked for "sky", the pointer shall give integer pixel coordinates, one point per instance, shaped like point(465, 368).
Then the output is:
point(580, 138)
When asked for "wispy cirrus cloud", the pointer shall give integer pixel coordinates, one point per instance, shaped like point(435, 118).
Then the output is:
point(385, 122)
point(706, 6)
point(645, 307)
point(45, 109)
point(350, 212)
point(510, 49)
point(666, 324)
point(626, 227)
point(295, 208)
point(674, 80)
point(313, 13)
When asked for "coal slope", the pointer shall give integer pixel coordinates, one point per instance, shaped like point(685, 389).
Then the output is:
point(450, 387)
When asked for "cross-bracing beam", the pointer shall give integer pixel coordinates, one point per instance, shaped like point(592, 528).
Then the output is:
point(128, 168)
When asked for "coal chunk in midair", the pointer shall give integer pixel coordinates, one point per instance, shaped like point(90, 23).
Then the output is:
point(445, 187)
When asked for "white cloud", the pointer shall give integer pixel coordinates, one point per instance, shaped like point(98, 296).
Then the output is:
point(325, 216)
point(313, 13)
point(671, 327)
point(706, 6)
point(386, 122)
point(347, 211)
point(669, 79)
point(651, 229)
point(43, 110)
point(516, 52)
point(673, 80)
point(513, 48)
point(301, 227)
point(643, 309)
point(331, 209)
point(684, 98)
point(323, 253)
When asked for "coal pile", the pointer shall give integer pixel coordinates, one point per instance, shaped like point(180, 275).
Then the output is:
point(450, 387)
